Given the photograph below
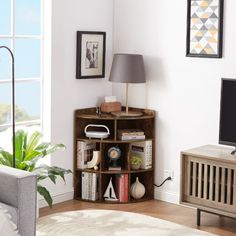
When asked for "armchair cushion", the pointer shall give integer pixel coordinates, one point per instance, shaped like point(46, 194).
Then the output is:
point(18, 192)
point(6, 225)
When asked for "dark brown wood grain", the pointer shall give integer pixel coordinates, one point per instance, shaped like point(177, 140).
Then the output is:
point(146, 122)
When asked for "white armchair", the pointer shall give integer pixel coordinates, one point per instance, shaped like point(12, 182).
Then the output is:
point(18, 196)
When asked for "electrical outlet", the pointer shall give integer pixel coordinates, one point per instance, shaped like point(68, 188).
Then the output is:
point(169, 173)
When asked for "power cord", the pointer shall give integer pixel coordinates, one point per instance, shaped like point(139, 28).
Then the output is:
point(168, 178)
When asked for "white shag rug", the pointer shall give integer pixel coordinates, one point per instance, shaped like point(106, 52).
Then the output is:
point(110, 223)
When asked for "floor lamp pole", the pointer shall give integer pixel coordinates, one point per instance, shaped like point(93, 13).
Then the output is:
point(13, 105)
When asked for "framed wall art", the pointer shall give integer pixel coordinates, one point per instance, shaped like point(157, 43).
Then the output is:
point(90, 56)
point(204, 28)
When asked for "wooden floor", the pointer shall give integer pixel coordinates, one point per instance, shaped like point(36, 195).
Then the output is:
point(179, 214)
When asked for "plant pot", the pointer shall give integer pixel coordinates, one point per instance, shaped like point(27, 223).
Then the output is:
point(135, 166)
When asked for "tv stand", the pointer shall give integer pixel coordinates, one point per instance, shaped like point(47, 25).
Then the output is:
point(208, 180)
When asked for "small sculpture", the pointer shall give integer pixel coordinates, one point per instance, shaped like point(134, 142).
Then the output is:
point(109, 194)
point(95, 160)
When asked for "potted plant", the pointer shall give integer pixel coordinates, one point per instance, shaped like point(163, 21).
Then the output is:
point(28, 151)
point(136, 162)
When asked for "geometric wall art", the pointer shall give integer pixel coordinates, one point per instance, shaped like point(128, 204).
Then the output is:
point(204, 28)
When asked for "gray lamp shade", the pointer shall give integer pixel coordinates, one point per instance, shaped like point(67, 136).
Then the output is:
point(127, 68)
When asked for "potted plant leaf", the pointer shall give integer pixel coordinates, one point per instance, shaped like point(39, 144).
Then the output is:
point(136, 162)
point(28, 151)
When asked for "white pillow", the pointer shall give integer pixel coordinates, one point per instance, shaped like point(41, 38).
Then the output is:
point(6, 225)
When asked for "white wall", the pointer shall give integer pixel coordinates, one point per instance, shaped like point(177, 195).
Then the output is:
point(184, 91)
point(67, 92)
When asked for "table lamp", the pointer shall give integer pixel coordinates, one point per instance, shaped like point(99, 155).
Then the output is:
point(127, 68)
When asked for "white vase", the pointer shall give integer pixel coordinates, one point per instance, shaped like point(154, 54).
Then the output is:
point(137, 189)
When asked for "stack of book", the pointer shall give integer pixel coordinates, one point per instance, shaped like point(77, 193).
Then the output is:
point(144, 150)
point(84, 153)
point(129, 134)
point(122, 190)
point(89, 186)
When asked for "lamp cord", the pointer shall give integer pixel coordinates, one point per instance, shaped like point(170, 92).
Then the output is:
point(168, 178)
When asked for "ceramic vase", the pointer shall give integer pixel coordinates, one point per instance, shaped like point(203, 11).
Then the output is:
point(137, 189)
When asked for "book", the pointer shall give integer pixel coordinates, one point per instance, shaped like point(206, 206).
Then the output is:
point(84, 186)
point(122, 190)
point(128, 132)
point(94, 193)
point(143, 149)
point(117, 168)
point(89, 186)
point(131, 137)
point(84, 153)
point(126, 188)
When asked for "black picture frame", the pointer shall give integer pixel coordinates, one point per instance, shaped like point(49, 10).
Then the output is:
point(207, 51)
point(90, 54)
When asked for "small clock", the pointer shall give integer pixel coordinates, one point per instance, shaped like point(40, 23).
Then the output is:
point(114, 153)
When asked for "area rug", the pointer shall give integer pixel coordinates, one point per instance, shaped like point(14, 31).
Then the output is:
point(109, 223)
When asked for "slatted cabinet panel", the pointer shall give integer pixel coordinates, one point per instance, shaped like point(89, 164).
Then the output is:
point(208, 181)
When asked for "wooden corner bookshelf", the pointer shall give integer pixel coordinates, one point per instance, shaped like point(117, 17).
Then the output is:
point(146, 122)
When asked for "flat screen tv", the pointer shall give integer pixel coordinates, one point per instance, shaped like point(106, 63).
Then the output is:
point(227, 134)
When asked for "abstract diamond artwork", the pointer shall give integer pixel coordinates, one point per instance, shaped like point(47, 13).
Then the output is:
point(204, 36)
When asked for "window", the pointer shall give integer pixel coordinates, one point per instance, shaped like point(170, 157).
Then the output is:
point(21, 31)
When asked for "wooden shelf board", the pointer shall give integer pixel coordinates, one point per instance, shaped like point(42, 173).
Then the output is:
point(141, 171)
point(115, 202)
point(112, 140)
point(111, 172)
point(88, 170)
point(107, 117)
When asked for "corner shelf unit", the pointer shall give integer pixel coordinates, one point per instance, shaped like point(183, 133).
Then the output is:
point(146, 122)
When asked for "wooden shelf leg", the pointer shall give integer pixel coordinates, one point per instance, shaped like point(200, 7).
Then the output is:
point(198, 217)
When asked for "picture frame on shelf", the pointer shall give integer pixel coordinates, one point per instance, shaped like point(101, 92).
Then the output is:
point(204, 28)
point(90, 55)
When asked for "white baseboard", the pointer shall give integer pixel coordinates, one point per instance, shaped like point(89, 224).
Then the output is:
point(166, 196)
point(57, 198)
point(66, 196)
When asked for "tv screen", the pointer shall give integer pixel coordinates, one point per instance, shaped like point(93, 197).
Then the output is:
point(228, 112)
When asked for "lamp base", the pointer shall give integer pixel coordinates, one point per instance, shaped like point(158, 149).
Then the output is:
point(126, 114)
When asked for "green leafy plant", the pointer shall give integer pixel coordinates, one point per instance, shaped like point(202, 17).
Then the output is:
point(136, 160)
point(28, 151)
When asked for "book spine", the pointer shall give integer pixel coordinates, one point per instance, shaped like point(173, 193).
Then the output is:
point(94, 186)
point(126, 188)
point(130, 137)
point(83, 185)
point(130, 134)
point(82, 155)
point(148, 153)
point(78, 154)
point(90, 186)
point(118, 186)
point(86, 186)
point(122, 188)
